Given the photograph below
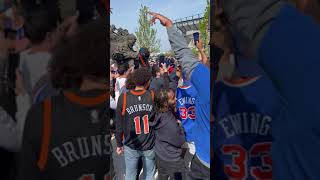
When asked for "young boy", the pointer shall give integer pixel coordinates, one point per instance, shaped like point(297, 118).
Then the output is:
point(135, 116)
point(67, 136)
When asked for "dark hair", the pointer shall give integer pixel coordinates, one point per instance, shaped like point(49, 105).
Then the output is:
point(141, 76)
point(38, 23)
point(144, 52)
point(123, 68)
point(161, 100)
point(154, 70)
point(129, 82)
point(143, 58)
point(85, 54)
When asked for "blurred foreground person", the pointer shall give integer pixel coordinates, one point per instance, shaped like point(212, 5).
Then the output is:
point(67, 136)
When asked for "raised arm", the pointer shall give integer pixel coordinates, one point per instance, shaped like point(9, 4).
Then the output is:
point(191, 65)
point(179, 45)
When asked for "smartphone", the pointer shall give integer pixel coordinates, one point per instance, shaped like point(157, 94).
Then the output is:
point(196, 37)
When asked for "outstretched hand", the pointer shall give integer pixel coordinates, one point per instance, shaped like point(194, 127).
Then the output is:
point(163, 20)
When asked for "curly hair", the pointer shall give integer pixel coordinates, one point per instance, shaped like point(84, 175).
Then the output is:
point(141, 76)
point(83, 55)
point(161, 100)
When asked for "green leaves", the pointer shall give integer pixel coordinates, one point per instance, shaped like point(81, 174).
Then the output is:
point(145, 33)
point(203, 27)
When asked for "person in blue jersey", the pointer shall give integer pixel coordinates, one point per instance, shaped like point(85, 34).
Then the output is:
point(186, 110)
point(199, 76)
point(245, 104)
point(285, 43)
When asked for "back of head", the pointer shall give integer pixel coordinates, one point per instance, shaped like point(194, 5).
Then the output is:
point(123, 68)
point(141, 76)
point(155, 70)
point(84, 55)
point(161, 100)
point(39, 23)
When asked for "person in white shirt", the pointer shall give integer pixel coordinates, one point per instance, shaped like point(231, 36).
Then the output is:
point(123, 70)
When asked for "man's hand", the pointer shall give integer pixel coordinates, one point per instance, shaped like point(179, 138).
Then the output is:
point(163, 68)
point(199, 45)
point(120, 150)
point(163, 20)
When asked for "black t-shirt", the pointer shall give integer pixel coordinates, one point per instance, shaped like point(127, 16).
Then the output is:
point(135, 119)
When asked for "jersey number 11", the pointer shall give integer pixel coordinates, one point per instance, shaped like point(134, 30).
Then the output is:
point(137, 124)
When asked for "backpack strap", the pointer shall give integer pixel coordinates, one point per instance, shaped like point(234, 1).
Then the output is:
point(46, 135)
point(124, 105)
point(152, 96)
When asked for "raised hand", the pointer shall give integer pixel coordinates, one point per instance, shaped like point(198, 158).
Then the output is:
point(199, 44)
point(163, 20)
point(163, 68)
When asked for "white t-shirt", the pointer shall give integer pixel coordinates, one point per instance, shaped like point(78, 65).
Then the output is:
point(120, 82)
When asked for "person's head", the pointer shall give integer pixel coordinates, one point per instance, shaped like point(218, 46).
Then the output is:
point(156, 71)
point(165, 100)
point(144, 55)
point(141, 77)
point(129, 82)
point(123, 69)
point(82, 58)
point(221, 36)
point(161, 58)
point(40, 25)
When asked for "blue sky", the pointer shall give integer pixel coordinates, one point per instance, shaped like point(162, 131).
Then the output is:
point(125, 14)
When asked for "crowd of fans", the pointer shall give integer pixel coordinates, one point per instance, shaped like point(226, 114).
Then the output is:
point(56, 122)
point(54, 111)
point(160, 113)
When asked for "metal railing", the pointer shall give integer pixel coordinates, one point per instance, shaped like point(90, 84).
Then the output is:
point(189, 18)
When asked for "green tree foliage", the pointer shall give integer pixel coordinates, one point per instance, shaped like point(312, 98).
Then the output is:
point(146, 35)
point(203, 27)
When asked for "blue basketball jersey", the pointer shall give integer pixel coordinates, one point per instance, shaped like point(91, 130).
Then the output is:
point(242, 128)
point(186, 110)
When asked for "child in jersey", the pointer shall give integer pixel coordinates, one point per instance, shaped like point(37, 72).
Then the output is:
point(135, 121)
point(67, 136)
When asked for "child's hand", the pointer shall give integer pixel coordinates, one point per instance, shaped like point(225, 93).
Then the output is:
point(120, 150)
